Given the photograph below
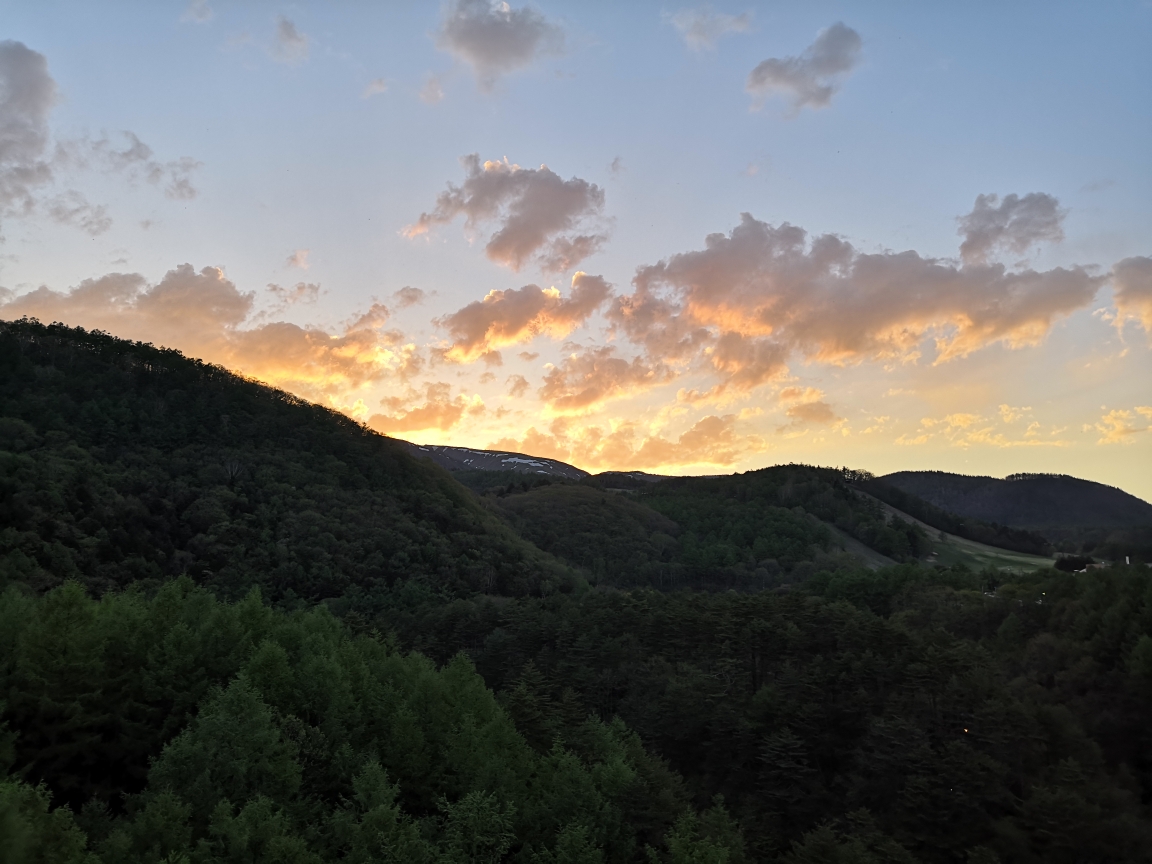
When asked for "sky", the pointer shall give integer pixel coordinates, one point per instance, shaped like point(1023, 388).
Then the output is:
point(672, 238)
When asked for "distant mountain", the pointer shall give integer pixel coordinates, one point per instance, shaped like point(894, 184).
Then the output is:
point(466, 459)
point(1036, 501)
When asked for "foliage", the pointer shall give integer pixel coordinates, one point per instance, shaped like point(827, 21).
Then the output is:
point(184, 728)
point(122, 463)
point(989, 533)
point(155, 707)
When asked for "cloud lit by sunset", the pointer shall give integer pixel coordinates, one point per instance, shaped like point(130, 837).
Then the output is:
point(942, 260)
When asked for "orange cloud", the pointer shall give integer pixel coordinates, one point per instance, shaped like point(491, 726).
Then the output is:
point(518, 315)
point(712, 440)
point(438, 411)
point(751, 298)
point(595, 375)
point(1132, 279)
point(965, 429)
point(1120, 426)
point(203, 313)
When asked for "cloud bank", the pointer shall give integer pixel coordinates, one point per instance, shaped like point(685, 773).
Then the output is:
point(749, 299)
point(541, 216)
point(812, 78)
point(203, 314)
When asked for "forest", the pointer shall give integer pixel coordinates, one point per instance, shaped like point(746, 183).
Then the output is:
point(239, 627)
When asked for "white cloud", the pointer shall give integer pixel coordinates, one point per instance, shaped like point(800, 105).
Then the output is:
point(495, 39)
point(702, 28)
point(813, 77)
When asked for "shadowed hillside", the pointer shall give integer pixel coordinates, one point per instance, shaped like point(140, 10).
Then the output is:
point(121, 463)
point(148, 714)
point(1039, 501)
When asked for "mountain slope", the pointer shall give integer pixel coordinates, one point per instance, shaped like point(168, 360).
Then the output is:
point(466, 459)
point(1037, 501)
point(122, 462)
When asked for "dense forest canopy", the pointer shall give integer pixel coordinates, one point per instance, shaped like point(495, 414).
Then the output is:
point(237, 627)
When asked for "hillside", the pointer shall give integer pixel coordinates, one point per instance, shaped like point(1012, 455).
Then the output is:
point(238, 627)
point(1036, 501)
point(121, 463)
point(466, 459)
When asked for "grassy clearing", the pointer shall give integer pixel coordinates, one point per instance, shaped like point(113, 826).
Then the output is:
point(954, 550)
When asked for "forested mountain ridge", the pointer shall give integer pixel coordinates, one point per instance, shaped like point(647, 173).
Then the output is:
point(1036, 501)
point(121, 462)
point(410, 679)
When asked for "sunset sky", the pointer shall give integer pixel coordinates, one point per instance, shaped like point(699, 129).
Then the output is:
point(682, 239)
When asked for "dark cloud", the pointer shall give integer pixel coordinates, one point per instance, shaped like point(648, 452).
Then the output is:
point(27, 94)
point(813, 77)
point(539, 213)
point(408, 296)
point(135, 162)
point(72, 208)
point(520, 314)
point(1132, 287)
point(495, 39)
point(702, 28)
point(1015, 225)
point(289, 45)
point(30, 161)
point(301, 292)
point(197, 12)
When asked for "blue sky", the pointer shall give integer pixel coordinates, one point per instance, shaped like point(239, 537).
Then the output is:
point(297, 149)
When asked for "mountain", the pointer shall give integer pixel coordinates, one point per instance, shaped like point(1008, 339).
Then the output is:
point(1035, 501)
point(235, 626)
point(466, 459)
point(122, 463)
